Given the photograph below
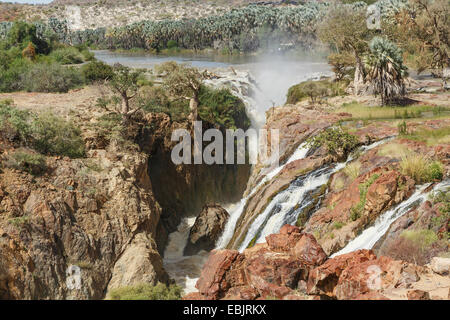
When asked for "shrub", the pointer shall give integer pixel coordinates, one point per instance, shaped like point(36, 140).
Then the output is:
point(352, 170)
point(68, 55)
point(14, 123)
point(26, 161)
point(220, 106)
point(357, 210)
point(415, 246)
point(97, 70)
point(10, 77)
point(315, 90)
point(53, 135)
point(43, 77)
point(146, 292)
point(343, 64)
point(337, 141)
point(420, 168)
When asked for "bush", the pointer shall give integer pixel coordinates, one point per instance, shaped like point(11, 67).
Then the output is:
point(68, 55)
point(14, 123)
point(26, 161)
point(220, 106)
point(53, 135)
point(420, 168)
point(343, 64)
point(339, 143)
point(315, 90)
point(96, 71)
point(352, 170)
point(46, 133)
point(43, 77)
point(415, 246)
point(146, 292)
point(10, 76)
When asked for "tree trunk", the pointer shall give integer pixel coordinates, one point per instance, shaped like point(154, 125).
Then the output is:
point(125, 108)
point(358, 81)
point(193, 107)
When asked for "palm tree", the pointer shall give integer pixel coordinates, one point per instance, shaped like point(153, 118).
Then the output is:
point(385, 69)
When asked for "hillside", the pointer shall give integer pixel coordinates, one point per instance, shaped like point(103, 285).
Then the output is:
point(89, 14)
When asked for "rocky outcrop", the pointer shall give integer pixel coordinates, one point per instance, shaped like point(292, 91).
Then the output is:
point(207, 229)
point(427, 218)
point(291, 265)
point(82, 223)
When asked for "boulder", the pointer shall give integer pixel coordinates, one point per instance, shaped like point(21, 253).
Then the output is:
point(212, 283)
point(207, 229)
point(440, 265)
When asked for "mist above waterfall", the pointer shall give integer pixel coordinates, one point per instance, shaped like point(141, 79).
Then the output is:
point(276, 73)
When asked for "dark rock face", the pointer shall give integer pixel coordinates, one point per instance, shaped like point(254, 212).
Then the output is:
point(207, 229)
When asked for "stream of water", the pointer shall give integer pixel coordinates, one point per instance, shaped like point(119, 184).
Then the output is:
point(369, 237)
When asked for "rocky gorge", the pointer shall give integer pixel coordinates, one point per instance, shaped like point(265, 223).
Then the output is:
point(108, 217)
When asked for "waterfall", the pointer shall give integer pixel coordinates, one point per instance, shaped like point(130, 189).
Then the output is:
point(185, 270)
point(235, 210)
point(370, 236)
point(286, 206)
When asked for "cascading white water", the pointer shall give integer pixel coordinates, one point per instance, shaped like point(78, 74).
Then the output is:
point(235, 210)
point(183, 269)
point(280, 209)
point(370, 236)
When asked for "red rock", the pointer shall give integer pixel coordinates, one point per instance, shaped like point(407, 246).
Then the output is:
point(418, 295)
point(212, 282)
point(288, 229)
point(285, 240)
point(274, 274)
point(379, 274)
point(309, 251)
point(241, 293)
point(323, 279)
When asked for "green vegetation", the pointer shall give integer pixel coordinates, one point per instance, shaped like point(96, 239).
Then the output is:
point(315, 90)
point(97, 71)
point(422, 238)
point(385, 70)
point(30, 62)
point(219, 106)
point(431, 137)
point(146, 292)
point(337, 141)
point(421, 168)
point(363, 112)
point(45, 133)
point(357, 210)
point(32, 163)
point(352, 170)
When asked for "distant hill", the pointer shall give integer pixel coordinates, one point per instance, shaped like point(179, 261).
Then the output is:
point(92, 14)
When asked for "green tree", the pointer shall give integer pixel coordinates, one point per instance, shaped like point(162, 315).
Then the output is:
point(182, 82)
point(125, 82)
point(345, 28)
point(422, 29)
point(386, 71)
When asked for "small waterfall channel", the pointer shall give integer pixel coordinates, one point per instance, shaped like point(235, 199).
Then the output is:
point(286, 206)
point(369, 237)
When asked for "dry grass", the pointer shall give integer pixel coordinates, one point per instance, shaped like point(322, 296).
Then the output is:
point(352, 170)
point(421, 168)
point(363, 112)
point(394, 150)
